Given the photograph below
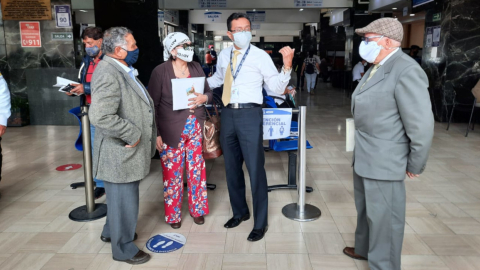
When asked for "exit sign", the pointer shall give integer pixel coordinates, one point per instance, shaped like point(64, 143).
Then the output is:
point(62, 36)
point(437, 17)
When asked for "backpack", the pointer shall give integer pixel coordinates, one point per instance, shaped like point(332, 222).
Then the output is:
point(310, 68)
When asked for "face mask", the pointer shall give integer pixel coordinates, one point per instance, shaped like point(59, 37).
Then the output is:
point(185, 54)
point(92, 51)
point(132, 57)
point(366, 64)
point(242, 39)
point(369, 52)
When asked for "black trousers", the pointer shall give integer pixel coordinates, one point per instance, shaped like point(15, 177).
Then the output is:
point(300, 80)
point(1, 158)
point(241, 137)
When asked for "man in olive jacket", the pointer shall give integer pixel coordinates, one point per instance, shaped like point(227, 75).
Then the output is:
point(394, 130)
point(123, 113)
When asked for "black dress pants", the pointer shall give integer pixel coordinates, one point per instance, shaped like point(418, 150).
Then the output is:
point(1, 158)
point(241, 137)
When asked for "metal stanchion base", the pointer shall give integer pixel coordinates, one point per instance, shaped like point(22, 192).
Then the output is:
point(77, 185)
point(311, 212)
point(276, 187)
point(81, 214)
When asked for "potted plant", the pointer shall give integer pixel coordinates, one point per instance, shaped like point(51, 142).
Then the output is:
point(20, 112)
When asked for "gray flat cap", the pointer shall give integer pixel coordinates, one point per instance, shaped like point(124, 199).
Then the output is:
point(388, 27)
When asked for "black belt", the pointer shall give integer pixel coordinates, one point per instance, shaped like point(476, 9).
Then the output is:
point(243, 105)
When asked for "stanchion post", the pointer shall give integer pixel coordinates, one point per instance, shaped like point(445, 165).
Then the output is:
point(301, 211)
point(90, 211)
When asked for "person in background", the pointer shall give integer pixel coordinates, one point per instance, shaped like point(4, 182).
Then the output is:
point(310, 67)
point(325, 69)
point(297, 67)
point(92, 39)
point(243, 69)
point(394, 128)
point(124, 115)
point(209, 61)
point(5, 112)
point(414, 50)
point(213, 53)
point(180, 132)
point(358, 72)
point(318, 71)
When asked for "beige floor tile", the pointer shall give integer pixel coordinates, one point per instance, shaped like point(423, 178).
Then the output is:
point(427, 225)
point(199, 262)
point(288, 262)
point(279, 223)
point(237, 243)
point(414, 245)
point(462, 262)
point(449, 245)
point(18, 208)
point(423, 262)
point(49, 209)
point(321, 225)
point(445, 210)
point(160, 261)
point(30, 224)
point(12, 242)
point(473, 209)
point(332, 262)
point(205, 243)
point(336, 196)
point(46, 242)
point(63, 224)
point(346, 224)
point(7, 221)
point(342, 209)
point(284, 243)
point(69, 261)
point(324, 243)
point(26, 261)
point(82, 243)
point(212, 224)
point(244, 261)
point(462, 225)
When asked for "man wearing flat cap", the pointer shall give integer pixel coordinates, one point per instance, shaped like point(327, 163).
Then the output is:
point(394, 130)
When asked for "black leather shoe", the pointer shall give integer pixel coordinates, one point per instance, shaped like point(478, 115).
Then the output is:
point(234, 222)
point(99, 192)
point(257, 234)
point(108, 239)
point(140, 258)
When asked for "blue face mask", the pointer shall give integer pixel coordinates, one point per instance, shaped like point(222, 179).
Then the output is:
point(92, 51)
point(132, 57)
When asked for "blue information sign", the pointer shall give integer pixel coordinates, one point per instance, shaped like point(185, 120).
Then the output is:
point(166, 242)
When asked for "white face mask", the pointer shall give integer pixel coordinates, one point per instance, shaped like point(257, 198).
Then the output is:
point(242, 39)
point(369, 52)
point(365, 64)
point(185, 54)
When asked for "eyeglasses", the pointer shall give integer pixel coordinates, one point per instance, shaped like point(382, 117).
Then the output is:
point(238, 30)
point(368, 39)
point(186, 46)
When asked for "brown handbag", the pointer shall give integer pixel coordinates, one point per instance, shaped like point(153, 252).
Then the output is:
point(211, 136)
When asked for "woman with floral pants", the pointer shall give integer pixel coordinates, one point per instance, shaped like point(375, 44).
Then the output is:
point(189, 152)
point(179, 132)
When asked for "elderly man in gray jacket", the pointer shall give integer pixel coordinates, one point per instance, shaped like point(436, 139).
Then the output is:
point(123, 114)
point(394, 130)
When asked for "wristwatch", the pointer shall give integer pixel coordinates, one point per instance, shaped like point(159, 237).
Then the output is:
point(285, 70)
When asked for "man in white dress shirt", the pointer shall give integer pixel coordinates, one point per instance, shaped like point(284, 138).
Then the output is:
point(358, 72)
point(4, 113)
point(243, 69)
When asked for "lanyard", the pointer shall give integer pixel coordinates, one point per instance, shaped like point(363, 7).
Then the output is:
point(241, 63)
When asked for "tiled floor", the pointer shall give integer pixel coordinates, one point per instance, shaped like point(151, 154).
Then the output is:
point(443, 206)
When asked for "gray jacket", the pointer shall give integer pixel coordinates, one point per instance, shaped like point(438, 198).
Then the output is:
point(121, 115)
point(393, 120)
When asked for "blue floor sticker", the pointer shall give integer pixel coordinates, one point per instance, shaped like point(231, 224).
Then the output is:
point(166, 242)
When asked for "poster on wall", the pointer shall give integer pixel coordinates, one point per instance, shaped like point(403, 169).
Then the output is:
point(213, 16)
point(436, 36)
point(308, 3)
point(28, 10)
point(256, 16)
point(428, 42)
point(62, 16)
point(30, 34)
point(212, 3)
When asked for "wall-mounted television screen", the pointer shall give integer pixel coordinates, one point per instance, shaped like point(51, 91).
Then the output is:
point(417, 3)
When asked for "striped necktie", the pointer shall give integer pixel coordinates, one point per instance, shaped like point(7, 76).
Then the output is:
point(374, 70)
point(227, 85)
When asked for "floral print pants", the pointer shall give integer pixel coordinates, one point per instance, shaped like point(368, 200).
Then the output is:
point(173, 160)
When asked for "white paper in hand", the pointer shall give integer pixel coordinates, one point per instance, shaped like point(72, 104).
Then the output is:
point(183, 89)
point(350, 143)
point(63, 83)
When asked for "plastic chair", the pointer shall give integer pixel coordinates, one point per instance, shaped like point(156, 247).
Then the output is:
point(78, 143)
point(465, 104)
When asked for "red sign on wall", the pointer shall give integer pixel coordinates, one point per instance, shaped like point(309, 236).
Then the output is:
point(30, 34)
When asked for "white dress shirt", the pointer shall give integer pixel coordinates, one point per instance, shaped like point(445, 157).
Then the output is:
point(274, 94)
point(133, 73)
point(388, 57)
point(358, 69)
point(5, 104)
point(257, 69)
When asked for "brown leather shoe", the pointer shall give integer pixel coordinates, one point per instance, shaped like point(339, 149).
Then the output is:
point(199, 220)
point(140, 258)
point(350, 252)
point(176, 225)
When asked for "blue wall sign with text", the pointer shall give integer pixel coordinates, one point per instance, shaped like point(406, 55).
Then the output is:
point(62, 16)
point(166, 242)
point(276, 123)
